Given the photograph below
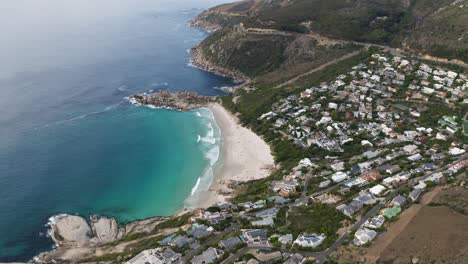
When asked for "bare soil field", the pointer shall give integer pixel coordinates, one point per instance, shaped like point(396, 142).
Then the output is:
point(434, 231)
point(435, 235)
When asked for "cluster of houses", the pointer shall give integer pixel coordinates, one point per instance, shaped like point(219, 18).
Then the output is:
point(332, 114)
point(369, 109)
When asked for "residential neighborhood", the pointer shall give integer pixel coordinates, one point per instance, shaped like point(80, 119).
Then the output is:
point(377, 147)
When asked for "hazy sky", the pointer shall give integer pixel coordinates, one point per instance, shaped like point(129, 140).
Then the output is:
point(37, 34)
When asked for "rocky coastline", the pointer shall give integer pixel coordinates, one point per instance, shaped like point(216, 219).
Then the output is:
point(74, 234)
point(181, 101)
point(201, 62)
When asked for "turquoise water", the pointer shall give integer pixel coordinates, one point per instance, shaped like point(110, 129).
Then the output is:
point(70, 142)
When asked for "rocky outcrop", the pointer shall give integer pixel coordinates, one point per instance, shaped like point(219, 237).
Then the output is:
point(182, 101)
point(70, 229)
point(75, 230)
point(105, 229)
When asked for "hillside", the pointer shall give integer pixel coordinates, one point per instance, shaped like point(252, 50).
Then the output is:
point(437, 28)
point(267, 56)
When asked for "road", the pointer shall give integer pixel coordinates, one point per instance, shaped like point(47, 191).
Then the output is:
point(321, 67)
point(393, 51)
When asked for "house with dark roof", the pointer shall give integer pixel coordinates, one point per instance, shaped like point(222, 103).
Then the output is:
point(230, 243)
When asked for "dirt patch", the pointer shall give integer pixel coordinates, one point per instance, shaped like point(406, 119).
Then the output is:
point(432, 231)
point(435, 235)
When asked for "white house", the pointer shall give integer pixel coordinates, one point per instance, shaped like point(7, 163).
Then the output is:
point(363, 236)
point(377, 190)
point(339, 176)
point(312, 240)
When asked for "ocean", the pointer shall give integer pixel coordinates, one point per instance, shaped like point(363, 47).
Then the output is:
point(69, 140)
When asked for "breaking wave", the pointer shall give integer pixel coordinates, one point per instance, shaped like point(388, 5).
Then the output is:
point(210, 144)
point(106, 109)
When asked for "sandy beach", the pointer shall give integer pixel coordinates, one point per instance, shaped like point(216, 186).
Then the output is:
point(245, 157)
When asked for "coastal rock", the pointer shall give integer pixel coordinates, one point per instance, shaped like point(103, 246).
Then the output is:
point(76, 230)
point(182, 101)
point(105, 229)
point(68, 229)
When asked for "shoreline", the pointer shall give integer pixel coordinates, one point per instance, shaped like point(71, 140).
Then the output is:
point(244, 156)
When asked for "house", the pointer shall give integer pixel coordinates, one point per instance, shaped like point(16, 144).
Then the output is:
point(200, 231)
point(400, 200)
point(377, 190)
point(339, 166)
point(310, 240)
point(296, 259)
point(346, 210)
point(456, 151)
point(324, 184)
point(415, 157)
point(370, 154)
point(365, 198)
point(421, 185)
point(393, 169)
point(375, 222)
point(410, 149)
point(436, 177)
point(230, 243)
point(339, 176)
point(254, 236)
point(208, 256)
point(364, 236)
point(168, 239)
point(266, 221)
point(267, 256)
point(285, 239)
point(371, 176)
point(180, 241)
point(437, 156)
point(156, 256)
point(216, 217)
point(356, 205)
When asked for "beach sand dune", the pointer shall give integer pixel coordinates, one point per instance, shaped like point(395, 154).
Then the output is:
point(245, 157)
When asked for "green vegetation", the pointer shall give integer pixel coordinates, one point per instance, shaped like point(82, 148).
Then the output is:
point(174, 222)
point(435, 27)
point(315, 218)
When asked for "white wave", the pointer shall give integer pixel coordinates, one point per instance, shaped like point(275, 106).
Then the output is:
point(107, 108)
point(122, 88)
point(223, 88)
point(209, 140)
point(198, 114)
point(53, 219)
point(198, 139)
point(213, 155)
point(156, 84)
point(194, 40)
point(194, 189)
point(190, 64)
